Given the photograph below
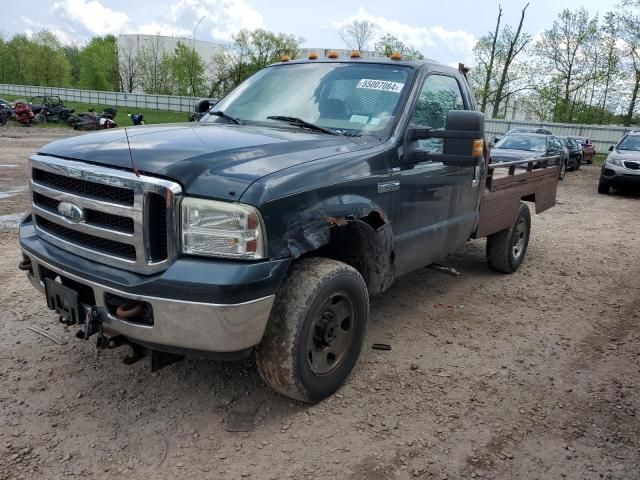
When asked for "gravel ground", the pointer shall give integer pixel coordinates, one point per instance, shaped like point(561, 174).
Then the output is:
point(528, 376)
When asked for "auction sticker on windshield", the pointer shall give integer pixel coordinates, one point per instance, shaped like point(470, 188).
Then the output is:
point(381, 85)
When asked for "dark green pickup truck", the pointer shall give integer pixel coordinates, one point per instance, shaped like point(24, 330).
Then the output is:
point(266, 226)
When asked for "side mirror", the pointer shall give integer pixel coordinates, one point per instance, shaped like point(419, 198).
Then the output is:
point(611, 148)
point(204, 105)
point(462, 140)
point(496, 140)
point(415, 132)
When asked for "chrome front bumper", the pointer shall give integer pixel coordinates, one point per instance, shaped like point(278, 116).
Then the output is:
point(204, 327)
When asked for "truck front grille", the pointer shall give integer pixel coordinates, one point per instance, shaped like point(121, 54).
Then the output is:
point(126, 220)
point(108, 247)
point(107, 193)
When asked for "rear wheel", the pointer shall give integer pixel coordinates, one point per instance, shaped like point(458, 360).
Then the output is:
point(40, 118)
point(315, 331)
point(604, 187)
point(506, 249)
point(563, 169)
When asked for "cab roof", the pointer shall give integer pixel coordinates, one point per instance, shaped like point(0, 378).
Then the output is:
point(415, 64)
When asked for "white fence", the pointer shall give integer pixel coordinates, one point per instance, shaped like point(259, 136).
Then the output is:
point(117, 99)
point(603, 136)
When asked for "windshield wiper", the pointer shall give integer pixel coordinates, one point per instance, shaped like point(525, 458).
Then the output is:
point(301, 123)
point(229, 118)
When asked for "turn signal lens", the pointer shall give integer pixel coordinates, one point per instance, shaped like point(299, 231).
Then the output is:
point(396, 56)
point(313, 56)
point(285, 58)
point(333, 54)
point(355, 54)
point(478, 148)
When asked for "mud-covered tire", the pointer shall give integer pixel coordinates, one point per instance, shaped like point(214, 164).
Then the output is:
point(604, 187)
point(284, 358)
point(506, 249)
point(40, 118)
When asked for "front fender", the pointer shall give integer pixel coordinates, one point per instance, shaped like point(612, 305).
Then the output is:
point(296, 226)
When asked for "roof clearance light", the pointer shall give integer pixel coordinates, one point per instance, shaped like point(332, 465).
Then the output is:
point(285, 58)
point(396, 56)
point(355, 54)
point(333, 54)
point(313, 56)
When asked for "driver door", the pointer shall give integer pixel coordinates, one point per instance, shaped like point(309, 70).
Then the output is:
point(436, 207)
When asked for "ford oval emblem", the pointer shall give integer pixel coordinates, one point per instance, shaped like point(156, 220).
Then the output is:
point(71, 212)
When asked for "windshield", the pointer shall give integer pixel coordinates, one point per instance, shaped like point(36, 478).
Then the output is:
point(357, 98)
point(523, 142)
point(630, 142)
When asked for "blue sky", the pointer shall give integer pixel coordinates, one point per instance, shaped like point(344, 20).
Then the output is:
point(445, 31)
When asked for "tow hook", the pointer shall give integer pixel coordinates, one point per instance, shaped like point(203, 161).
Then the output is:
point(25, 265)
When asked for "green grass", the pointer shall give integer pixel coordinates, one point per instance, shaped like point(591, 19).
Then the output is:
point(600, 158)
point(150, 116)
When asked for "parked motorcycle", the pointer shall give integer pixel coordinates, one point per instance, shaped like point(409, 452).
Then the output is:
point(93, 121)
point(137, 118)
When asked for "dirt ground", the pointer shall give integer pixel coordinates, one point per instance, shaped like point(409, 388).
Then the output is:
point(530, 376)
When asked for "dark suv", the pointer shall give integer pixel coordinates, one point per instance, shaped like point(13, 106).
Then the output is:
point(622, 166)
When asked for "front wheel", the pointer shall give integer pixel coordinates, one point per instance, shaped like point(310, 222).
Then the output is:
point(578, 162)
point(604, 187)
point(315, 331)
point(506, 249)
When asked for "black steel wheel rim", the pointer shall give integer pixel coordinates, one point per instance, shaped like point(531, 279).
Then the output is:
point(331, 334)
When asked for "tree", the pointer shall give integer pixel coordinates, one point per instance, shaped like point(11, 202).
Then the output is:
point(153, 67)
point(357, 34)
point(47, 62)
point(128, 63)
point(187, 71)
point(98, 62)
point(512, 44)
point(250, 51)
point(564, 49)
point(488, 44)
point(611, 62)
point(387, 45)
point(72, 54)
point(631, 36)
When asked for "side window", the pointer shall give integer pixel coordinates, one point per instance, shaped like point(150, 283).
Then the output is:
point(439, 95)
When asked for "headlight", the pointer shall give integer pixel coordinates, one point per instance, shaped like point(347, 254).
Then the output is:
point(615, 160)
point(222, 229)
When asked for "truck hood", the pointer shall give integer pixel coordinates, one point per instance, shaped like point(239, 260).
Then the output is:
point(213, 160)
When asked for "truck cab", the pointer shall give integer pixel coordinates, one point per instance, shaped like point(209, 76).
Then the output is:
point(266, 226)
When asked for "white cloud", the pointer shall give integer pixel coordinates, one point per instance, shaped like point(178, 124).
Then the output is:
point(91, 17)
point(429, 40)
point(221, 19)
point(78, 20)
